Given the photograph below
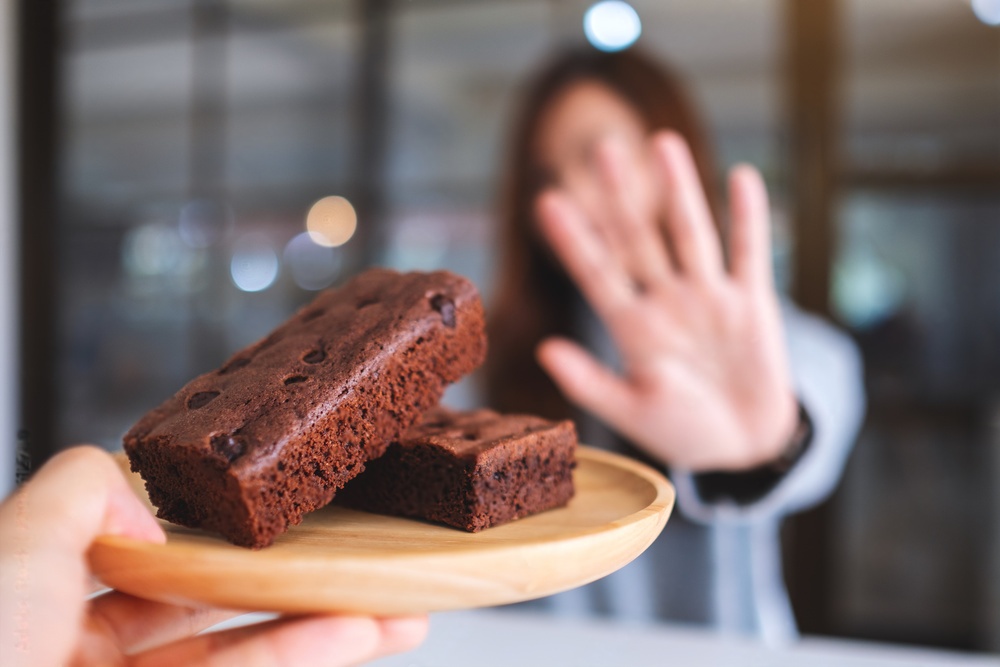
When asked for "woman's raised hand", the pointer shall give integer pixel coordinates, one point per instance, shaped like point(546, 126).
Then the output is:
point(706, 384)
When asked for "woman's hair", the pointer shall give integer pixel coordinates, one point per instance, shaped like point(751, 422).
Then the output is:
point(535, 298)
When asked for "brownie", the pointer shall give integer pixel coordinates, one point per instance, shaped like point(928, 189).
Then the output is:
point(471, 470)
point(247, 449)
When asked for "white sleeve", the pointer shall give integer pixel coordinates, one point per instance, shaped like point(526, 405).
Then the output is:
point(827, 372)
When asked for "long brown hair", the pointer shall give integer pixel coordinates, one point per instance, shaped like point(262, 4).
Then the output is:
point(535, 298)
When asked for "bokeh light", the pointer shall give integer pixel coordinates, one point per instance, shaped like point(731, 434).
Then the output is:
point(867, 290)
point(313, 266)
point(612, 25)
point(254, 266)
point(331, 221)
point(152, 249)
point(987, 11)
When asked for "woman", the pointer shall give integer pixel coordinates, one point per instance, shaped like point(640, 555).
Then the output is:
point(618, 306)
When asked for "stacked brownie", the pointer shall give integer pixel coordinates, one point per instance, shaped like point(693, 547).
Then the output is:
point(471, 470)
point(248, 449)
point(284, 424)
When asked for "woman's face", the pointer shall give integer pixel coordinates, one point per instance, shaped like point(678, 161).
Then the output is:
point(582, 117)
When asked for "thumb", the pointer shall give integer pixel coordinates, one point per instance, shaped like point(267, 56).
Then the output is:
point(46, 528)
point(585, 381)
point(79, 494)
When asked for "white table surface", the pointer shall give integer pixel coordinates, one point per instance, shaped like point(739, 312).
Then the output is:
point(507, 639)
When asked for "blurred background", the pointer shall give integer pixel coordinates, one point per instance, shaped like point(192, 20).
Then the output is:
point(161, 158)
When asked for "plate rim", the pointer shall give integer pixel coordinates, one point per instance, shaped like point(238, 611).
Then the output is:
point(136, 555)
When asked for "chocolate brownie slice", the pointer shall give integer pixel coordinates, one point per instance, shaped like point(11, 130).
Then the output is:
point(248, 449)
point(471, 470)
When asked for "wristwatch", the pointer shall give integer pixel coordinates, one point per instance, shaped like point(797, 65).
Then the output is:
point(797, 444)
point(746, 486)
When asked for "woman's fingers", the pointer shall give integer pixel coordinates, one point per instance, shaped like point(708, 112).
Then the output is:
point(584, 381)
point(601, 278)
point(687, 216)
point(750, 242)
point(133, 624)
point(633, 222)
point(330, 641)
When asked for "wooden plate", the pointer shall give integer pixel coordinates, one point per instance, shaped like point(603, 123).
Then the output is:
point(349, 561)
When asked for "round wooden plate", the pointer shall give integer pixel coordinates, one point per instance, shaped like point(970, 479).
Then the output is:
point(349, 561)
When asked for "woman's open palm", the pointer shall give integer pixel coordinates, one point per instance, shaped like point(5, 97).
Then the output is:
point(706, 382)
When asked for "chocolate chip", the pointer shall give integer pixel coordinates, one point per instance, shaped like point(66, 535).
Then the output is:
point(313, 357)
point(446, 307)
point(201, 399)
point(230, 447)
point(295, 379)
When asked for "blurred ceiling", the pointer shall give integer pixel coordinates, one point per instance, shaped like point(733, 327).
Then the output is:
point(921, 77)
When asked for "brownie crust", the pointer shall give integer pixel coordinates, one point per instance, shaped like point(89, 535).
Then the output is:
point(247, 449)
point(471, 470)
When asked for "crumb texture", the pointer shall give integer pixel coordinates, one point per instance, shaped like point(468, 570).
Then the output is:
point(471, 470)
point(247, 449)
